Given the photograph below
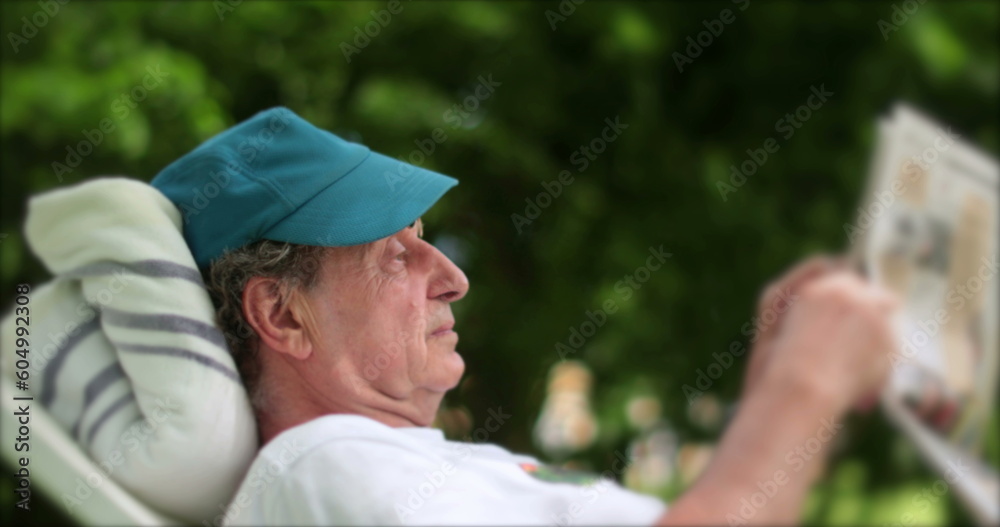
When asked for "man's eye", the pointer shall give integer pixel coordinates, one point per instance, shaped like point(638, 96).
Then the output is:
point(401, 257)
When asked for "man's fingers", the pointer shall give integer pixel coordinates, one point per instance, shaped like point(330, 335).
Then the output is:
point(758, 361)
point(883, 299)
point(791, 282)
point(792, 279)
point(886, 298)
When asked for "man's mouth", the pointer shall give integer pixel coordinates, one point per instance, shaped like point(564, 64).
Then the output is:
point(444, 329)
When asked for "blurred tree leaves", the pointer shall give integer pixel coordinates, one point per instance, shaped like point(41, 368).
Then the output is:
point(653, 185)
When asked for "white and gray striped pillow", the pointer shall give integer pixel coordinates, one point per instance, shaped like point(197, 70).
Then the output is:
point(126, 355)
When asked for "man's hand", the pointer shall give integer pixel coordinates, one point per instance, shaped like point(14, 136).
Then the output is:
point(829, 350)
point(773, 305)
point(836, 339)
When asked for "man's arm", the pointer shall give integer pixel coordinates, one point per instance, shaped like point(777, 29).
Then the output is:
point(760, 473)
point(830, 353)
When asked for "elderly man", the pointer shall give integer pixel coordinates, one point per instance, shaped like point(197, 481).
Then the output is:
point(338, 314)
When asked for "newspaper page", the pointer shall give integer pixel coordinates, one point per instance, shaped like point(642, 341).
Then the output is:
point(927, 229)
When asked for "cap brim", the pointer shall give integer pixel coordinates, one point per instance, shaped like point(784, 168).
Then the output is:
point(376, 199)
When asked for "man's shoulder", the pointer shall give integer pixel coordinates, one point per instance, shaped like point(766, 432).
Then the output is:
point(316, 468)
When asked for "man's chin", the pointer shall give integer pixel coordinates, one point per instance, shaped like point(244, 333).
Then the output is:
point(449, 372)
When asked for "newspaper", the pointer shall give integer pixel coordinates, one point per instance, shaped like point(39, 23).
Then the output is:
point(927, 229)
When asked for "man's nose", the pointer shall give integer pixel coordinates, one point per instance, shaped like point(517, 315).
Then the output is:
point(449, 283)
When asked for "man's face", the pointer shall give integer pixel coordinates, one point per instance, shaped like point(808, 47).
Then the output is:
point(381, 328)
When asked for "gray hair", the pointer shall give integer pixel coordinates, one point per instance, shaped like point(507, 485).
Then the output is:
point(293, 266)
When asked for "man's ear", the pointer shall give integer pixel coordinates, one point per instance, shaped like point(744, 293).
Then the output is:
point(277, 318)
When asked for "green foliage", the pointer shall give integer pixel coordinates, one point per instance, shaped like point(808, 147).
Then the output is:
point(655, 184)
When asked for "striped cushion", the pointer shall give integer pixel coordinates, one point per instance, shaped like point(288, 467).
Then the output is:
point(125, 353)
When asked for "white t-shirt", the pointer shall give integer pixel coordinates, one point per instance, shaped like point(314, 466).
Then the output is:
point(352, 470)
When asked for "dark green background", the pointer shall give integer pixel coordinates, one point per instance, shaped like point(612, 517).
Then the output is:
point(656, 184)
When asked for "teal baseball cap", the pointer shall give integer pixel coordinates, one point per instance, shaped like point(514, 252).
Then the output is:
point(277, 177)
